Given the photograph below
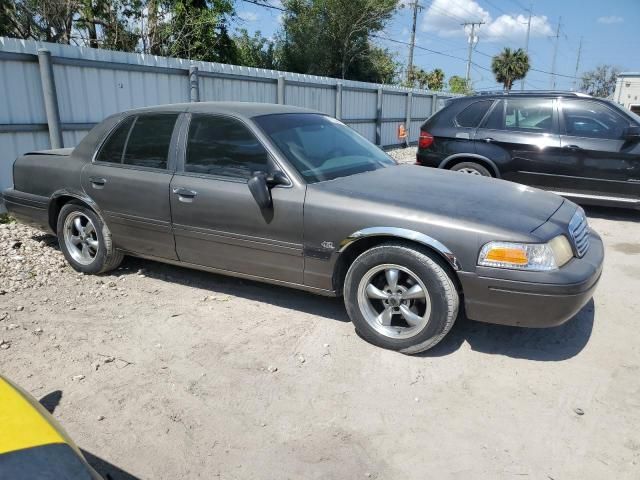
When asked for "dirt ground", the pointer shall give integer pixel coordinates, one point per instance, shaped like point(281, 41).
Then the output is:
point(160, 372)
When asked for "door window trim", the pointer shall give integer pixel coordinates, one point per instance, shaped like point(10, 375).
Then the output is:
point(484, 116)
point(171, 153)
point(563, 124)
point(183, 143)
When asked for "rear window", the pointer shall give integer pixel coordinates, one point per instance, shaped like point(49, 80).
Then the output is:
point(473, 114)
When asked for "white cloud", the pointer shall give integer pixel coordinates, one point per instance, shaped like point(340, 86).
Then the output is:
point(444, 17)
point(611, 19)
point(248, 16)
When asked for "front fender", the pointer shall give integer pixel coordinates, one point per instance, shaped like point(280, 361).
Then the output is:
point(402, 233)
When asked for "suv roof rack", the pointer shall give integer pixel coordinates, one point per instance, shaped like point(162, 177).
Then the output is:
point(563, 93)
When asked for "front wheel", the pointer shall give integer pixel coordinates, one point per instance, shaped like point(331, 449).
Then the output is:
point(400, 298)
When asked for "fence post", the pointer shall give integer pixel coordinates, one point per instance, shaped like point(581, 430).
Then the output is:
point(194, 84)
point(281, 87)
point(50, 98)
point(379, 118)
point(434, 103)
point(408, 117)
point(339, 100)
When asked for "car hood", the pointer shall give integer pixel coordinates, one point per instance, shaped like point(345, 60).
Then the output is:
point(479, 200)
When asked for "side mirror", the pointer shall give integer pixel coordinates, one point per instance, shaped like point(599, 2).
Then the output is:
point(260, 189)
point(260, 185)
point(632, 133)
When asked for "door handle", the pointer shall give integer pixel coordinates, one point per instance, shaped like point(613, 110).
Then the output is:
point(185, 195)
point(486, 140)
point(97, 182)
point(573, 148)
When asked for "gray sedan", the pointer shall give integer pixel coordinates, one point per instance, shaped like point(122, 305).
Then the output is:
point(293, 197)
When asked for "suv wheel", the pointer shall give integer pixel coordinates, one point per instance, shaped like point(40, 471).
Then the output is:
point(85, 240)
point(400, 298)
point(471, 168)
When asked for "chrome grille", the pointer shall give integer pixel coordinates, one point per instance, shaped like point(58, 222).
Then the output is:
point(579, 231)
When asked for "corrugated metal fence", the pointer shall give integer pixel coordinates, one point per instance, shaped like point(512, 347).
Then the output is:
point(90, 84)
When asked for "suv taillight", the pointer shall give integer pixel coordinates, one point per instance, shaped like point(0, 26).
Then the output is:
point(425, 140)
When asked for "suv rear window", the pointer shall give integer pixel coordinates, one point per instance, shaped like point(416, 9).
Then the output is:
point(473, 114)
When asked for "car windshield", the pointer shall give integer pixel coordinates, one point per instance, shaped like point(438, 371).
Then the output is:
point(320, 147)
point(626, 112)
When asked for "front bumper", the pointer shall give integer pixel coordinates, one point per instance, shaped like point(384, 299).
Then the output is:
point(555, 297)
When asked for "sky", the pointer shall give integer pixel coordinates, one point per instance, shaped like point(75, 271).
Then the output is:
point(609, 31)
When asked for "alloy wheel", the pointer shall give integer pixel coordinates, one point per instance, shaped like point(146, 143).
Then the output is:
point(81, 238)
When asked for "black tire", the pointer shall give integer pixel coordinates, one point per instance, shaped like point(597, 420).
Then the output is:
point(469, 167)
point(430, 270)
point(105, 258)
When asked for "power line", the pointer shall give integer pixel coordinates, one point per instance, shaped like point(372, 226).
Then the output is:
point(265, 5)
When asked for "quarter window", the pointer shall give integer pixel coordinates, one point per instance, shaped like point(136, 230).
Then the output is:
point(593, 120)
point(224, 147)
point(112, 149)
point(473, 114)
point(148, 144)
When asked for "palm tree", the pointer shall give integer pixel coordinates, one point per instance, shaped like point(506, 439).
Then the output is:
point(509, 66)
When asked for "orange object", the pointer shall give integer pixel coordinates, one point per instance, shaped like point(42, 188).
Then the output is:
point(509, 255)
point(402, 131)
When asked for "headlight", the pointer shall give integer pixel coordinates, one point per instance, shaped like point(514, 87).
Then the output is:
point(527, 256)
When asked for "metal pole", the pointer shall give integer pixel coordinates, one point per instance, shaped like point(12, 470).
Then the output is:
point(555, 56)
point(50, 98)
point(407, 117)
point(471, 45)
point(526, 43)
point(194, 84)
point(339, 100)
point(379, 118)
point(413, 40)
point(575, 75)
point(281, 87)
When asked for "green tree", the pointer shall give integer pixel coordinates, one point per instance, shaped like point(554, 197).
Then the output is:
point(600, 82)
point(435, 79)
point(332, 37)
point(255, 51)
point(510, 65)
point(459, 85)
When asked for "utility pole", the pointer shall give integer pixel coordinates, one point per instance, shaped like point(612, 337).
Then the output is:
point(555, 55)
point(526, 43)
point(416, 7)
point(575, 75)
point(472, 43)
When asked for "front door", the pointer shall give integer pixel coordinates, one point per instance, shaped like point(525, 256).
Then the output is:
point(593, 138)
point(129, 180)
point(521, 136)
point(217, 222)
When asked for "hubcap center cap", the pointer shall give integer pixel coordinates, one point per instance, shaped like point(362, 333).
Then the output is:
point(394, 301)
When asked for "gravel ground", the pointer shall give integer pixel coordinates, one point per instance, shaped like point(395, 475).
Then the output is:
point(404, 155)
point(159, 372)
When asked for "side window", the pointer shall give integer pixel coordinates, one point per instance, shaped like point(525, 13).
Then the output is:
point(223, 146)
point(529, 114)
point(473, 114)
point(590, 119)
point(112, 149)
point(495, 120)
point(149, 141)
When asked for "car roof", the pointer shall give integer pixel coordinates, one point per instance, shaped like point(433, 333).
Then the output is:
point(243, 109)
point(529, 93)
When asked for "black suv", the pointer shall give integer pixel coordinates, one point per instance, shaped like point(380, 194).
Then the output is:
point(584, 148)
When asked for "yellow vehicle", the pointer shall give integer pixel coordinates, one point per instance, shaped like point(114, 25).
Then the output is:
point(32, 444)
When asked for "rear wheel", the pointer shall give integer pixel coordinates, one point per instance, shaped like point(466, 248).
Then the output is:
point(400, 298)
point(85, 240)
point(471, 168)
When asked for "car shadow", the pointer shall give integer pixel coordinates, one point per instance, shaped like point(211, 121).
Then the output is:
point(544, 344)
point(290, 298)
point(612, 213)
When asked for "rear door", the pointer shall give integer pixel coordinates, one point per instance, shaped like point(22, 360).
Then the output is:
point(521, 136)
point(217, 222)
point(593, 138)
point(129, 180)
